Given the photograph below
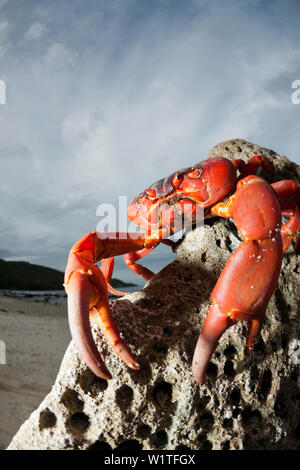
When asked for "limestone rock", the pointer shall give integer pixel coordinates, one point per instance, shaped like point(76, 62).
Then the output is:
point(247, 402)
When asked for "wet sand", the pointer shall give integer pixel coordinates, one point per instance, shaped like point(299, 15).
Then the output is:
point(36, 336)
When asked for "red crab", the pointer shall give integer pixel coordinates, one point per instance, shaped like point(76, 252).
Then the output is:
point(219, 187)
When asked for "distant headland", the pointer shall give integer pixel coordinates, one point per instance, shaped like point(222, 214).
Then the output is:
point(20, 275)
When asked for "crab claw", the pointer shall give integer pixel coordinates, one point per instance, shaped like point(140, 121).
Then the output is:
point(214, 326)
point(87, 296)
point(78, 314)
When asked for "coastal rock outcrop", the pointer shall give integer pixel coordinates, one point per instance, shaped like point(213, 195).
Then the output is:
point(248, 402)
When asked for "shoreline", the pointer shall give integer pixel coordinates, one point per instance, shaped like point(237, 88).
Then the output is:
point(55, 297)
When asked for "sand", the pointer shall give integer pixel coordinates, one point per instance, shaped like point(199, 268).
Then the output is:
point(36, 336)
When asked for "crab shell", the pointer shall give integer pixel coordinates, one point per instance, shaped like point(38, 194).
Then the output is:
point(185, 193)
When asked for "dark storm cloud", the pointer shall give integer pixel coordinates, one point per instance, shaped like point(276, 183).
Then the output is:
point(103, 98)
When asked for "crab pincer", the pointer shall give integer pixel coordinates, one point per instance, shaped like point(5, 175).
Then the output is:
point(249, 277)
point(87, 291)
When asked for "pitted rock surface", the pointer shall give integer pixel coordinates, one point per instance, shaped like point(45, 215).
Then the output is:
point(248, 402)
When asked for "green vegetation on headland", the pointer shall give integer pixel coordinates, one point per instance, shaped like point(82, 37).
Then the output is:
point(20, 275)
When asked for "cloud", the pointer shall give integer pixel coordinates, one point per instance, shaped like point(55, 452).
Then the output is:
point(40, 11)
point(59, 56)
point(36, 31)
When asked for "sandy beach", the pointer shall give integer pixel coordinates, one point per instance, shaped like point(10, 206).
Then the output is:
point(36, 336)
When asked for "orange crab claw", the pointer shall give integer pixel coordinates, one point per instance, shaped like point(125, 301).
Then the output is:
point(78, 314)
point(216, 323)
point(249, 277)
point(87, 297)
point(87, 288)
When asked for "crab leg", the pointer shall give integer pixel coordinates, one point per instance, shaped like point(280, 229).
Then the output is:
point(254, 163)
point(107, 267)
point(215, 325)
point(285, 190)
point(78, 308)
point(290, 228)
point(249, 277)
point(131, 259)
point(86, 286)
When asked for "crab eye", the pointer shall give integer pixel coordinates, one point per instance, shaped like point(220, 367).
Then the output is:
point(177, 179)
point(150, 192)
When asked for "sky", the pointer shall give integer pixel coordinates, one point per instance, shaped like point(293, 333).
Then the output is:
point(104, 97)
